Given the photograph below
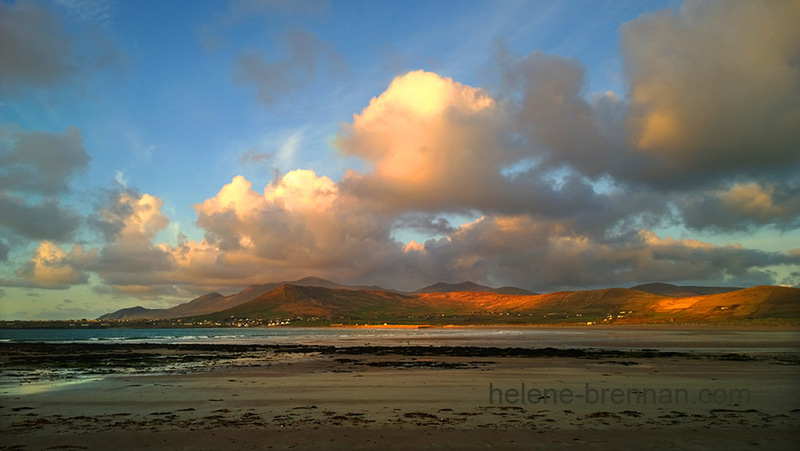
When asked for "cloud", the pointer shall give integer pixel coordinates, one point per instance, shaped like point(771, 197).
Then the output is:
point(131, 219)
point(714, 90)
point(744, 206)
point(545, 256)
point(252, 156)
point(36, 51)
point(305, 57)
point(52, 267)
point(573, 189)
point(300, 223)
point(241, 9)
point(213, 35)
point(129, 222)
point(47, 220)
point(549, 112)
point(431, 143)
point(555, 215)
point(713, 99)
point(4, 249)
point(36, 169)
point(297, 225)
point(436, 145)
point(34, 47)
point(280, 158)
point(40, 162)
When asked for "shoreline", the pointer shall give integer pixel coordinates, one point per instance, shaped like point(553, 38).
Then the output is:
point(642, 326)
point(764, 324)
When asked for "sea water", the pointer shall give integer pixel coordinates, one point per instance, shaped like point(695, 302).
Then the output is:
point(739, 340)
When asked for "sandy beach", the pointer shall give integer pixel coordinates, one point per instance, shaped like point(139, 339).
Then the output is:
point(133, 396)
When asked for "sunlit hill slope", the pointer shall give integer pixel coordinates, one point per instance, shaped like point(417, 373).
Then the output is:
point(313, 299)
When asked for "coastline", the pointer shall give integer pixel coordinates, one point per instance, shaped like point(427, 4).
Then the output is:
point(738, 325)
point(379, 397)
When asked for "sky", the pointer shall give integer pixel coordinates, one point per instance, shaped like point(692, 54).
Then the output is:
point(153, 151)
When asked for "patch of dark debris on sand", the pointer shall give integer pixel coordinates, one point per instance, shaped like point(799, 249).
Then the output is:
point(103, 358)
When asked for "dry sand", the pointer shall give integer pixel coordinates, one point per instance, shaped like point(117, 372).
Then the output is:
point(376, 398)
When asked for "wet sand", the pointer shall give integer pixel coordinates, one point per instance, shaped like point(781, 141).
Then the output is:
point(278, 397)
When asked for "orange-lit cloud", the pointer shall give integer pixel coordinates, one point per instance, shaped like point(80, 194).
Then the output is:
point(53, 267)
point(300, 224)
point(431, 142)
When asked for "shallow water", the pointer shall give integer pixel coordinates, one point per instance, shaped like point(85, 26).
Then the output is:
point(716, 339)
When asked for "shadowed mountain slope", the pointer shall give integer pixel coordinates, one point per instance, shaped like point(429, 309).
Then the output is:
point(214, 302)
point(311, 301)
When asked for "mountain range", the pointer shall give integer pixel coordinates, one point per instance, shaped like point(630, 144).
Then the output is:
point(468, 302)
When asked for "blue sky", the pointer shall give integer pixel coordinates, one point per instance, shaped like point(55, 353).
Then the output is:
point(572, 146)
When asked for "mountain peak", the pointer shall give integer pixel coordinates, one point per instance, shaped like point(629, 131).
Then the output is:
point(675, 291)
point(311, 281)
point(444, 287)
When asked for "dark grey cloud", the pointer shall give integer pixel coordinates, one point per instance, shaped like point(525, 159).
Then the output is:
point(36, 51)
point(112, 211)
point(426, 223)
point(714, 91)
point(744, 206)
point(559, 126)
point(36, 169)
point(130, 261)
point(120, 264)
point(47, 220)
point(544, 257)
point(4, 250)
point(40, 162)
point(712, 99)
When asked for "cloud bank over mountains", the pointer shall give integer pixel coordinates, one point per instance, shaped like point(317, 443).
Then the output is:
point(569, 188)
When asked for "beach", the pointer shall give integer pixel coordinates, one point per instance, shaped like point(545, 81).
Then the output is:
point(254, 396)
